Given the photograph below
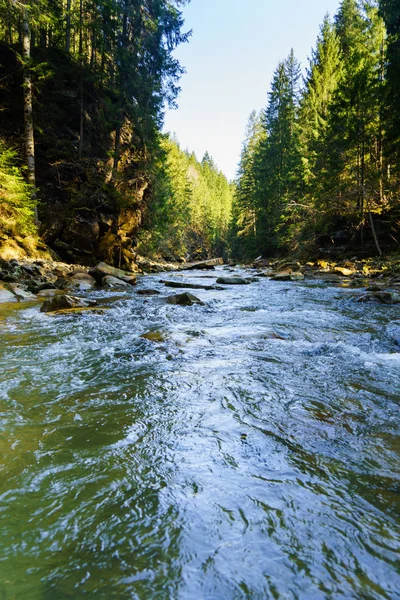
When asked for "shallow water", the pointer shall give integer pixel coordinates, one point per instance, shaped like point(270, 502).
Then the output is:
point(253, 453)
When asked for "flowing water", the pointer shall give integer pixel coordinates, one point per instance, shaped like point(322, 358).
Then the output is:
point(251, 450)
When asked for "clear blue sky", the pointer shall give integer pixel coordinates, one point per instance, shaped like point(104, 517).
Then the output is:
point(230, 59)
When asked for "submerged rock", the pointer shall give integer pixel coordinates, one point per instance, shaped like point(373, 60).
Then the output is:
point(384, 297)
point(154, 336)
point(103, 270)
point(148, 292)
point(185, 299)
point(190, 286)
point(393, 331)
point(233, 281)
point(64, 302)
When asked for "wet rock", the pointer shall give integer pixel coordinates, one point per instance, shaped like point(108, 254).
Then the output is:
point(103, 270)
point(81, 281)
point(20, 293)
point(63, 302)
point(185, 299)
point(344, 271)
point(113, 282)
point(148, 292)
point(393, 331)
point(204, 264)
point(190, 286)
point(288, 277)
point(6, 295)
point(9, 278)
point(154, 336)
point(233, 281)
point(289, 266)
point(383, 297)
point(50, 293)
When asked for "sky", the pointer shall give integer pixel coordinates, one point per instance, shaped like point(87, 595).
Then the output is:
point(229, 61)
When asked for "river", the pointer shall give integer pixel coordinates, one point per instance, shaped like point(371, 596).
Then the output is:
point(250, 451)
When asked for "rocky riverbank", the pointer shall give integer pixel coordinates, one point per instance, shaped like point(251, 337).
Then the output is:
point(41, 279)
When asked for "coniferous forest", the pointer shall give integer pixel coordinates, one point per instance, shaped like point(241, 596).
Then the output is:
point(86, 171)
point(320, 165)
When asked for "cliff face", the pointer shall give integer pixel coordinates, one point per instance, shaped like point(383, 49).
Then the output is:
point(88, 210)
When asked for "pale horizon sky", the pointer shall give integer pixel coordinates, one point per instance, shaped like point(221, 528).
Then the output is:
point(229, 61)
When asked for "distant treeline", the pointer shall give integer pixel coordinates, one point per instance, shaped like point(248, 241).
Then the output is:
point(321, 163)
point(190, 211)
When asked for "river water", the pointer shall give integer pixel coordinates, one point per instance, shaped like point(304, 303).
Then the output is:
point(252, 452)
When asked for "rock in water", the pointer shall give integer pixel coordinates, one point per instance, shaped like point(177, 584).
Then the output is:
point(190, 286)
point(233, 281)
point(384, 297)
point(113, 282)
point(288, 277)
point(81, 281)
point(103, 270)
point(148, 292)
point(6, 295)
point(64, 303)
point(203, 264)
point(185, 299)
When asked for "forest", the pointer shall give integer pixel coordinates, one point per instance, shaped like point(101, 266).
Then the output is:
point(320, 165)
point(86, 171)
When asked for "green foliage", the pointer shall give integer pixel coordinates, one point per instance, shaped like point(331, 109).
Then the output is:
point(16, 196)
point(190, 210)
point(327, 154)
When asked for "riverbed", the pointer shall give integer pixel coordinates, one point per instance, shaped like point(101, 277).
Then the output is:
point(250, 449)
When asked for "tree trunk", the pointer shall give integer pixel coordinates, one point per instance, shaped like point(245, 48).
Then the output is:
point(28, 102)
point(80, 149)
point(68, 27)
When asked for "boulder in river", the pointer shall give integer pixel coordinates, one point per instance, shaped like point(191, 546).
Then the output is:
point(233, 281)
point(288, 277)
point(113, 282)
point(81, 281)
point(191, 286)
point(6, 295)
point(185, 299)
point(65, 302)
point(148, 292)
point(204, 264)
point(103, 270)
point(384, 297)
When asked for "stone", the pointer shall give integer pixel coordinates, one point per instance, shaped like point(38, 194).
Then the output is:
point(50, 293)
point(154, 336)
point(6, 295)
point(185, 299)
point(384, 297)
point(393, 331)
point(81, 281)
point(343, 271)
point(233, 281)
point(287, 277)
point(204, 264)
point(20, 293)
point(190, 286)
point(64, 302)
point(102, 270)
point(148, 292)
point(113, 282)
